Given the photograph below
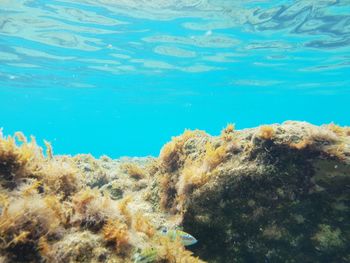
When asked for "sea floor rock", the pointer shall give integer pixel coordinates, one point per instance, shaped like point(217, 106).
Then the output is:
point(277, 193)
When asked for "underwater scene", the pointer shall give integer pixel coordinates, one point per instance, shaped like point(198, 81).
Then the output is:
point(175, 131)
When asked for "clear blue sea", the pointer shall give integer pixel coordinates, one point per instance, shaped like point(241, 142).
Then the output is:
point(121, 77)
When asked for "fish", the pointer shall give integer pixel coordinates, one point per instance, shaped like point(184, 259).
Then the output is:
point(186, 238)
point(147, 255)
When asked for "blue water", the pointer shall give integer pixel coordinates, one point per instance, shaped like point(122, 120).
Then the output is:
point(120, 77)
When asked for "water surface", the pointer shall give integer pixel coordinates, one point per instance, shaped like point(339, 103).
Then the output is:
point(122, 77)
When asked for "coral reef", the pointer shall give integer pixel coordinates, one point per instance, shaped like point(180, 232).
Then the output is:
point(275, 193)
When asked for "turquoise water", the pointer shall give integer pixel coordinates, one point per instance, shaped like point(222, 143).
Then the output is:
point(122, 77)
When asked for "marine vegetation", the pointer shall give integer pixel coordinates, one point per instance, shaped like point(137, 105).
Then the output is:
point(275, 193)
point(51, 213)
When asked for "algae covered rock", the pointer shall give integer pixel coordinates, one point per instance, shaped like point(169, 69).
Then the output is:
point(79, 209)
point(277, 193)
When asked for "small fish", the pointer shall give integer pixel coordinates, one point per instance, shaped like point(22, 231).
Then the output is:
point(148, 255)
point(185, 238)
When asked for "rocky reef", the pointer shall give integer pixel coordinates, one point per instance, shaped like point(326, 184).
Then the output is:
point(277, 193)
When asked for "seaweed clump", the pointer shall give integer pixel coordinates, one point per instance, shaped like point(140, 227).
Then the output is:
point(34, 188)
point(277, 193)
point(61, 208)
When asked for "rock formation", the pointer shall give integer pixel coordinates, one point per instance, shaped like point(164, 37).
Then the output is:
point(277, 193)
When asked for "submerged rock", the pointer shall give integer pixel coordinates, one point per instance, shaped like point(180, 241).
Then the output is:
point(276, 193)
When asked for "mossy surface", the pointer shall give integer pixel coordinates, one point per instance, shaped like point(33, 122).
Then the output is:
point(270, 198)
point(278, 193)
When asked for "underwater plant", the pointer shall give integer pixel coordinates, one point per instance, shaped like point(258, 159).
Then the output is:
point(257, 195)
point(117, 233)
point(328, 239)
point(124, 209)
point(266, 132)
point(24, 220)
point(227, 134)
point(141, 223)
point(92, 209)
point(173, 154)
point(214, 155)
point(134, 170)
point(340, 131)
point(173, 251)
point(18, 160)
point(60, 178)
